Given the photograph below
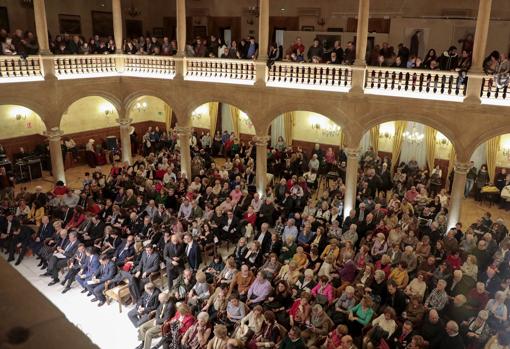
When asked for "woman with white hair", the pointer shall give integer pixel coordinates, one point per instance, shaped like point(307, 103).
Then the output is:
point(341, 309)
point(476, 331)
point(197, 336)
point(498, 312)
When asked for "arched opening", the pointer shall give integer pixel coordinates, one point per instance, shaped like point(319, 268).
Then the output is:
point(305, 129)
point(21, 128)
point(416, 152)
point(219, 119)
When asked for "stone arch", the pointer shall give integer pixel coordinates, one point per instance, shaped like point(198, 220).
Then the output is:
point(38, 108)
point(18, 120)
point(130, 100)
point(485, 136)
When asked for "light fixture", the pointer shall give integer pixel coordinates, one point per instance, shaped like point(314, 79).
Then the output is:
point(20, 113)
point(141, 106)
point(413, 137)
point(325, 127)
point(245, 119)
point(254, 10)
point(132, 11)
point(321, 21)
point(442, 141)
point(505, 148)
point(386, 135)
point(107, 109)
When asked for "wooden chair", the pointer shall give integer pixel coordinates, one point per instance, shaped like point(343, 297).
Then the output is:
point(119, 293)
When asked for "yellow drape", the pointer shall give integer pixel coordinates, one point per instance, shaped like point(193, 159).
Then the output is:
point(374, 138)
point(400, 127)
point(168, 117)
point(492, 153)
point(213, 117)
point(430, 144)
point(288, 125)
point(342, 138)
point(235, 114)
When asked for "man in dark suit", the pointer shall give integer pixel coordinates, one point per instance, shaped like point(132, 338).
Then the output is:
point(94, 231)
point(7, 223)
point(349, 220)
point(84, 268)
point(264, 238)
point(60, 258)
point(125, 251)
point(403, 335)
point(152, 328)
point(174, 258)
point(46, 231)
point(149, 264)
point(105, 273)
point(230, 227)
point(75, 264)
point(146, 304)
point(20, 238)
point(193, 253)
point(144, 229)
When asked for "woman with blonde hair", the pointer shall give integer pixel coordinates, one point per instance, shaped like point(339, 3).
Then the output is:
point(219, 341)
point(470, 267)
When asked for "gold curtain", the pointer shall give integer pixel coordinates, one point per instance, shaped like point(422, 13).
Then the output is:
point(342, 138)
point(374, 138)
point(451, 161)
point(288, 125)
point(168, 117)
point(213, 117)
point(400, 127)
point(236, 114)
point(492, 153)
point(430, 143)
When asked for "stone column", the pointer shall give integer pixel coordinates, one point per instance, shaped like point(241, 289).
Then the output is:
point(359, 67)
point(263, 29)
point(181, 28)
point(41, 27)
point(351, 179)
point(261, 163)
point(57, 161)
point(475, 74)
point(125, 140)
point(184, 134)
point(117, 25)
point(459, 182)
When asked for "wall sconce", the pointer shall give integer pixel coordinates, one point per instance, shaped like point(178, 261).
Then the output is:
point(386, 135)
point(141, 106)
point(20, 113)
point(316, 126)
point(321, 21)
point(195, 115)
point(442, 142)
point(413, 137)
point(506, 151)
point(246, 120)
point(107, 109)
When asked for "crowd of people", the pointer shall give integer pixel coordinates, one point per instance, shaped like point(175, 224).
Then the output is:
point(211, 263)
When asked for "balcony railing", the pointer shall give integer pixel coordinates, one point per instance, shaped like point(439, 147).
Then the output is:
point(85, 66)
point(17, 69)
point(431, 84)
point(220, 70)
point(326, 77)
point(161, 67)
point(494, 92)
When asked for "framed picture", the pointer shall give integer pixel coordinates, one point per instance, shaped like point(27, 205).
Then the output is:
point(4, 19)
point(70, 24)
point(102, 23)
point(158, 32)
point(307, 28)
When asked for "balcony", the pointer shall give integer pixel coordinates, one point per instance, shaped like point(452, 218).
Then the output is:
point(413, 83)
point(84, 66)
point(323, 77)
point(232, 71)
point(17, 69)
point(385, 81)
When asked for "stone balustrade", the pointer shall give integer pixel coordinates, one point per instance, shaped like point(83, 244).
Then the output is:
point(84, 66)
point(17, 69)
point(220, 70)
point(161, 67)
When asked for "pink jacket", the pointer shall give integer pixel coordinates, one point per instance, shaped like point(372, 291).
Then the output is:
point(326, 291)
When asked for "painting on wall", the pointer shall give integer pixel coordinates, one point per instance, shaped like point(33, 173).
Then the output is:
point(307, 28)
point(102, 23)
point(70, 24)
point(4, 19)
point(463, 38)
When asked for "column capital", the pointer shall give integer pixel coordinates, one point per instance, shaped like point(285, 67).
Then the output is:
point(261, 140)
point(54, 134)
point(352, 152)
point(461, 167)
point(183, 130)
point(124, 122)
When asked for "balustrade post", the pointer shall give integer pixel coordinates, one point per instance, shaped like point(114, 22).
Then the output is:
point(184, 134)
point(457, 194)
point(351, 178)
point(261, 163)
point(359, 67)
point(125, 139)
point(475, 74)
point(57, 160)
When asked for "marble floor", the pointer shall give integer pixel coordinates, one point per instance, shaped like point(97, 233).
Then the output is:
point(105, 326)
